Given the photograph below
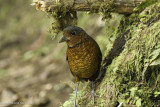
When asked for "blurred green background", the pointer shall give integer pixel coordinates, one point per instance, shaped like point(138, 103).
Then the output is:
point(33, 67)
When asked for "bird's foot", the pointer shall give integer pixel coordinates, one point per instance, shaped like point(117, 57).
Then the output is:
point(93, 95)
point(75, 105)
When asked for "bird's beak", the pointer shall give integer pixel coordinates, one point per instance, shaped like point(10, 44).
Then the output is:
point(63, 39)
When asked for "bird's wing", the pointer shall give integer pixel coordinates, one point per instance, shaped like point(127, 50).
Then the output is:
point(98, 50)
point(68, 62)
point(100, 53)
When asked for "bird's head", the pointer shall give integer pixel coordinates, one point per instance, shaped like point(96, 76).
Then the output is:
point(73, 35)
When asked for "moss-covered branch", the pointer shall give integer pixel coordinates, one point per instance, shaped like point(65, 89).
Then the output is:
point(118, 6)
point(64, 12)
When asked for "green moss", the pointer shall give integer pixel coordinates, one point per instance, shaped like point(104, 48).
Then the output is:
point(62, 17)
point(131, 74)
point(146, 3)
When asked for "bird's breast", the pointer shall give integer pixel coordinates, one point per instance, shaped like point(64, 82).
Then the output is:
point(83, 60)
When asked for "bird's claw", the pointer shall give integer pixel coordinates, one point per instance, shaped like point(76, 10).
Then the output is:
point(75, 105)
point(92, 95)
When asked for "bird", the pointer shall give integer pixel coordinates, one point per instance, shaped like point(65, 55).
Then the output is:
point(83, 55)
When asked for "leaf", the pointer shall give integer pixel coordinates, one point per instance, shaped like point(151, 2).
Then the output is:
point(156, 94)
point(133, 89)
point(138, 102)
point(155, 62)
point(155, 54)
point(155, 57)
point(132, 94)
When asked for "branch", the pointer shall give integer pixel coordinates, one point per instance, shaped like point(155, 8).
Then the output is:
point(126, 6)
point(119, 6)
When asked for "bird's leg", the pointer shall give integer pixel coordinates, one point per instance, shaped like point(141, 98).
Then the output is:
point(76, 95)
point(92, 92)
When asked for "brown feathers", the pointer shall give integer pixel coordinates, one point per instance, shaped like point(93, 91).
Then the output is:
point(83, 53)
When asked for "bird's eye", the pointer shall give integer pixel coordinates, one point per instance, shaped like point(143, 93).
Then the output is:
point(73, 33)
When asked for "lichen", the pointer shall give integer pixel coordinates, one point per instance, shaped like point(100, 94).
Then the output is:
point(57, 9)
point(103, 7)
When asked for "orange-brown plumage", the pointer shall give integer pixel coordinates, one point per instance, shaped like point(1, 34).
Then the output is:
point(84, 60)
point(83, 54)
